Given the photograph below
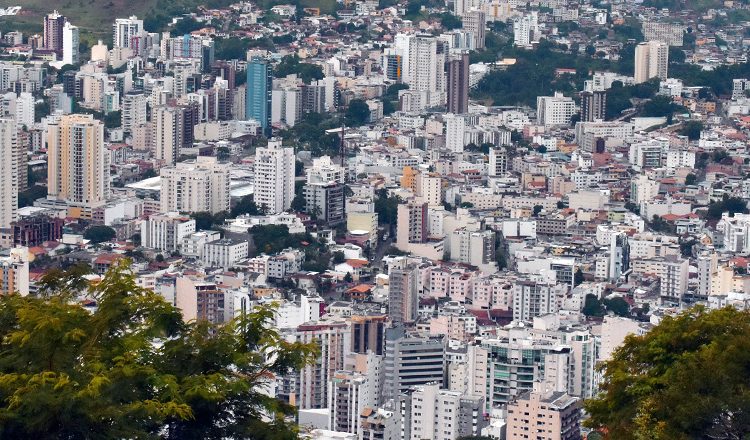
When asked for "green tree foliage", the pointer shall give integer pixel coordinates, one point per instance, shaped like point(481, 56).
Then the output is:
point(270, 239)
point(132, 368)
point(291, 64)
point(205, 221)
point(692, 129)
point(299, 203)
point(630, 30)
point(658, 224)
point(656, 386)
point(357, 113)
point(99, 234)
point(26, 198)
point(578, 277)
point(231, 48)
point(592, 306)
point(732, 205)
point(620, 97)
point(660, 106)
point(185, 26)
point(449, 21)
point(534, 75)
point(676, 55)
point(338, 257)
point(390, 98)
point(246, 205)
point(691, 179)
point(310, 134)
point(113, 119)
point(617, 305)
point(386, 207)
point(719, 79)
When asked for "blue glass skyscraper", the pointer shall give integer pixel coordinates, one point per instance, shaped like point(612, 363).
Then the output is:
point(258, 100)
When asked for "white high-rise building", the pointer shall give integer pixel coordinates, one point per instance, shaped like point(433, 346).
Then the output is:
point(127, 32)
point(455, 132)
point(133, 111)
point(166, 232)
point(71, 42)
point(25, 110)
point(167, 133)
point(8, 172)
point(554, 110)
point(199, 185)
point(286, 103)
point(437, 414)
point(526, 30)
point(669, 33)
point(274, 177)
point(429, 188)
point(498, 162)
point(424, 70)
point(708, 262)
point(473, 247)
point(651, 61)
point(77, 162)
point(739, 87)
point(461, 7)
point(531, 299)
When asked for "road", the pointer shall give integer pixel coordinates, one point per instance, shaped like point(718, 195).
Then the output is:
point(380, 251)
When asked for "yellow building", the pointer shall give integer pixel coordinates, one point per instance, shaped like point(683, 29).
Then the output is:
point(78, 164)
point(409, 178)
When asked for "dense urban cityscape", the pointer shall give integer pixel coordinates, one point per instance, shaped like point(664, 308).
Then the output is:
point(375, 219)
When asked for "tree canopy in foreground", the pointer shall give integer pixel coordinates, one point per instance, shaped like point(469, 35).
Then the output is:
point(685, 379)
point(133, 369)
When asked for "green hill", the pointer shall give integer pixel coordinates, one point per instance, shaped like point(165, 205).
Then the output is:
point(95, 17)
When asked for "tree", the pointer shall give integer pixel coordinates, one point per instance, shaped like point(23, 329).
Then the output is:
point(99, 234)
point(732, 205)
point(231, 49)
point(348, 277)
point(692, 129)
point(537, 210)
point(246, 205)
point(592, 306)
point(112, 119)
point(290, 64)
point(386, 207)
point(358, 113)
point(185, 26)
point(658, 224)
point(298, 203)
point(578, 277)
point(690, 179)
point(223, 153)
point(131, 368)
point(338, 257)
point(26, 198)
point(203, 220)
point(617, 305)
point(660, 106)
point(656, 385)
point(449, 21)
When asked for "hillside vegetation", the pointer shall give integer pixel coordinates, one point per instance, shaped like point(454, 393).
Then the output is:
point(95, 17)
